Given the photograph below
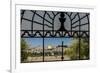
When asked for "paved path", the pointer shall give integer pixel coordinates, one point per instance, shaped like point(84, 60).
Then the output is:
point(47, 58)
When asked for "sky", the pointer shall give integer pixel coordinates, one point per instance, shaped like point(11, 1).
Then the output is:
point(34, 42)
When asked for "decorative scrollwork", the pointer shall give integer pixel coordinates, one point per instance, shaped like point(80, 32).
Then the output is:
point(47, 22)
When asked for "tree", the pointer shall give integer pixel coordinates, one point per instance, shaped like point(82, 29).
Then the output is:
point(84, 50)
point(24, 46)
point(73, 51)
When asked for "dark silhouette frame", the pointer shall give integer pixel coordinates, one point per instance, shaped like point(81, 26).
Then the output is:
point(62, 32)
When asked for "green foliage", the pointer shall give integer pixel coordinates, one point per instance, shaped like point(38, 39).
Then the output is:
point(24, 46)
point(73, 50)
point(84, 50)
point(23, 56)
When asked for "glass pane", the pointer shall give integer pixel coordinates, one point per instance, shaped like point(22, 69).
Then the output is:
point(84, 48)
point(31, 49)
point(71, 50)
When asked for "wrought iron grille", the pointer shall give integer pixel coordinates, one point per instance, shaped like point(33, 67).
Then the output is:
point(50, 25)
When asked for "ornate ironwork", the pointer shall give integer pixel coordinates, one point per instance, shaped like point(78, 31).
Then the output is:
point(54, 24)
point(73, 32)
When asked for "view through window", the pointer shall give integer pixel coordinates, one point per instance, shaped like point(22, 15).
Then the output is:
point(54, 36)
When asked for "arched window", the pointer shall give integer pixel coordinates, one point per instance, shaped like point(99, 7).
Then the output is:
point(53, 35)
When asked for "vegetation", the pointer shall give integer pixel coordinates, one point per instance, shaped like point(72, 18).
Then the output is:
point(84, 50)
point(34, 54)
point(24, 46)
point(73, 50)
